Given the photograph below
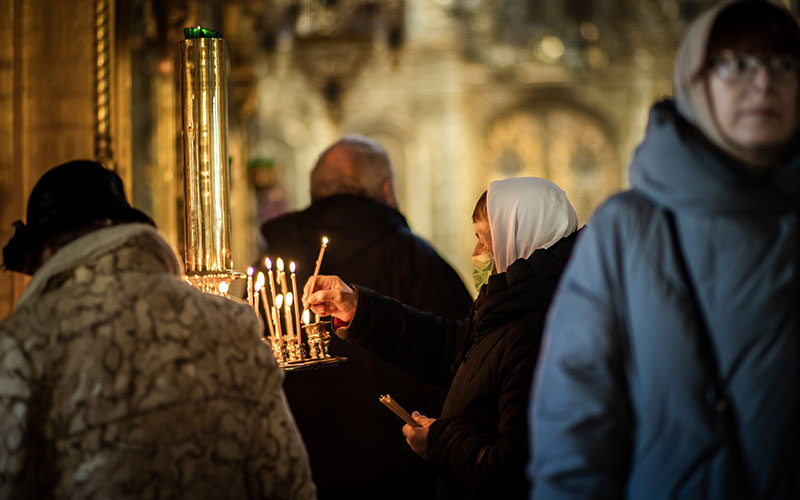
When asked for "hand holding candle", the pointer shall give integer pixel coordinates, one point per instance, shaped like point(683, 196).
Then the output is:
point(332, 297)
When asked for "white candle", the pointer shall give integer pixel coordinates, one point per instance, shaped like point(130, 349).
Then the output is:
point(287, 310)
point(292, 268)
point(255, 298)
point(321, 254)
point(263, 292)
point(250, 272)
point(268, 263)
point(268, 315)
point(316, 268)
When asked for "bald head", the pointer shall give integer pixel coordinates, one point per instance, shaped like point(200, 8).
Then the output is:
point(354, 165)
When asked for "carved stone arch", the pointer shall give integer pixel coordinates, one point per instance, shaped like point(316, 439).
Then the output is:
point(559, 139)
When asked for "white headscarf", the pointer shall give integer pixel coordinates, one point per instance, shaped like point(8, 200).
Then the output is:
point(526, 214)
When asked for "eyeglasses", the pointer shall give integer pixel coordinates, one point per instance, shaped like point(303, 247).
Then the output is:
point(736, 68)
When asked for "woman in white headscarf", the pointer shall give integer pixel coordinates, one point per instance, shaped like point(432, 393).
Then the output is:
point(526, 228)
point(672, 355)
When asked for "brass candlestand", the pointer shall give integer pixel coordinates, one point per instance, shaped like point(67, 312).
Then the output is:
point(291, 355)
point(207, 254)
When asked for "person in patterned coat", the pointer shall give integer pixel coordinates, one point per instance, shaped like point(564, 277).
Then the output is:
point(120, 380)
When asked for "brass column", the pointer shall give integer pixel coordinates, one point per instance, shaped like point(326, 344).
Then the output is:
point(207, 254)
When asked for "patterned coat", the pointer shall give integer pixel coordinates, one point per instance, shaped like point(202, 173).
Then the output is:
point(119, 380)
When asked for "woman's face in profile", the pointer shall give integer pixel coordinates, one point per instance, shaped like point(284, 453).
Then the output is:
point(754, 99)
point(484, 235)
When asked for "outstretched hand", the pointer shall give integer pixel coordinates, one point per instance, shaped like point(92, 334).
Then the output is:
point(417, 437)
point(330, 296)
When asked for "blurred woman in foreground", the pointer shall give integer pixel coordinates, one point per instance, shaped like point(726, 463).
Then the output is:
point(671, 361)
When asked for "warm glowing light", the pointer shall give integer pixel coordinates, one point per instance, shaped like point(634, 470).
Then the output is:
point(306, 316)
point(260, 281)
point(279, 300)
point(289, 299)
point(223, 287)
point(292, 266)
point(551, 48)
point(268, 263)
point(590, 32)
point(250, 271)
point(280, 264)
point(324, 241)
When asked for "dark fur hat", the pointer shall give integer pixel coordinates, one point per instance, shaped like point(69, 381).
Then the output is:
point(66, 197)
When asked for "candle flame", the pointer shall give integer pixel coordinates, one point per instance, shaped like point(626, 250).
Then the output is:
point(280, 264)
point(250, 271)
point(324, 241)
point(223, 287)
point(260, 281)
point(289, 299)
point(306, 316)
point(292, 266)
point(268, 263)
point(279, 300)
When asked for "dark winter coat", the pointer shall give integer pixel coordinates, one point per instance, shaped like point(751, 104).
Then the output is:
point(479, 443)
point(622, 405)
point(354, 444)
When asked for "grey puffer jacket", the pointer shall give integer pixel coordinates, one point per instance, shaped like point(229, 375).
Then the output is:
point(621, 407)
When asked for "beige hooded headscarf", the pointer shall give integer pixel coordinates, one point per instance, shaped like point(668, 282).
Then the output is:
point(691, 96)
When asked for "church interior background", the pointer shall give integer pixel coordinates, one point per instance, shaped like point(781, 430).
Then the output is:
point(460, 92)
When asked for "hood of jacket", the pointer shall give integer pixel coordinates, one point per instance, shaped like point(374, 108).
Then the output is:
point(679, 168)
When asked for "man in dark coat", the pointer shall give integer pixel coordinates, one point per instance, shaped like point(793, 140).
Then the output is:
point(352, 440)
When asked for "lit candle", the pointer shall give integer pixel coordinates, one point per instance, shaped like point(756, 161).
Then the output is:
point(263, 292)
point(278, 305)
point(277, 311)
point(250, 272)
point(268, 263)
point(306, 316)
point(319, 258)
point(316, 268)
point(287, 310)
point(292, 268)
point(258, 288)
point(223, 288)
